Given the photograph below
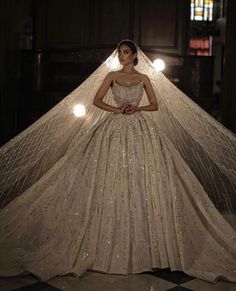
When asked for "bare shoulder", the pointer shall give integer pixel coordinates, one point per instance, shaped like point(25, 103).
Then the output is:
point(113, 75)
point(145, 79)
point(110, 75)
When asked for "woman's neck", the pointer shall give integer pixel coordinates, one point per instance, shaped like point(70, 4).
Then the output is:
point(128, 69)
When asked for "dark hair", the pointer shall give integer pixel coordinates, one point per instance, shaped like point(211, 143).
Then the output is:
point(133, 47)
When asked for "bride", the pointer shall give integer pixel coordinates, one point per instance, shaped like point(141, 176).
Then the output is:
point(129, 77)
point(122, 190)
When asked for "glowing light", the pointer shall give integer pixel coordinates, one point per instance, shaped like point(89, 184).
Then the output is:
point(113, 62)
point(159, 65)
point(79, 110)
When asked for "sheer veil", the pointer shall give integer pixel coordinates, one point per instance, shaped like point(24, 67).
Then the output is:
point(207, 146)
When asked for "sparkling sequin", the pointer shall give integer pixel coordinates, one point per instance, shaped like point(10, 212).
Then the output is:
point(122, 201)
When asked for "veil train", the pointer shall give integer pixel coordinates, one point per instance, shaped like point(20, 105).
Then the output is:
point(205, 144)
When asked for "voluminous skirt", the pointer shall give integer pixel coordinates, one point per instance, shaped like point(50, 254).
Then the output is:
point(121, 200)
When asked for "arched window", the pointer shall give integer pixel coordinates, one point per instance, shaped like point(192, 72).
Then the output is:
point(202, 10)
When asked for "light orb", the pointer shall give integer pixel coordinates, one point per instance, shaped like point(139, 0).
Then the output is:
point(112, 62)
point(159, 65)
point(79, 110)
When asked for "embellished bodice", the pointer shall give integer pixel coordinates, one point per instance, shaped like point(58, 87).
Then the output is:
point(127, 94)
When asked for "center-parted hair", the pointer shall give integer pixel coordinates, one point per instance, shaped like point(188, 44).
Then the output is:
point(133, 47)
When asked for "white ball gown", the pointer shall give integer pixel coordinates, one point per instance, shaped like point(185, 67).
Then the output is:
point(121, 201)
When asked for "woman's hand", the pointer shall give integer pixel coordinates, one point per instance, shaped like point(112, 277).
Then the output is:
point(130, 109)
point(121, 109)
point(126, 109)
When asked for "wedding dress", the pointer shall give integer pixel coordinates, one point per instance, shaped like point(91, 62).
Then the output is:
point(120, 200)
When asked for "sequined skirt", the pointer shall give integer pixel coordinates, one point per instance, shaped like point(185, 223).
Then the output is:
point(121, 200)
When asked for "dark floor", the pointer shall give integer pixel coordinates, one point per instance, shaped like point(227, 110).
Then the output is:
point(160, 280)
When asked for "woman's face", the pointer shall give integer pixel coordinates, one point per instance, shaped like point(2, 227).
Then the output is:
point(125, 55)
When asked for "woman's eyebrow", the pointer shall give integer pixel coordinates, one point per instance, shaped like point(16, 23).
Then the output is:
point(124, 50)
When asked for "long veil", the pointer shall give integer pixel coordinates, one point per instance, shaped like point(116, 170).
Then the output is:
point(206, 145)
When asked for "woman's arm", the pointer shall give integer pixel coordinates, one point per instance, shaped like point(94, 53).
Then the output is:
point(98, 99)
point(153, 106)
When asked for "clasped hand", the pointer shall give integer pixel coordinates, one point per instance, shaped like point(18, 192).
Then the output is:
point(128, 108)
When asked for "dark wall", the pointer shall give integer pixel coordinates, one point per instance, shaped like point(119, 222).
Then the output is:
point(154, 24)
point(229, 80)
point(13, 14)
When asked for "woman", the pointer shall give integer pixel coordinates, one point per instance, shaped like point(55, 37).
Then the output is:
point(128, 76)
point(121, 200)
